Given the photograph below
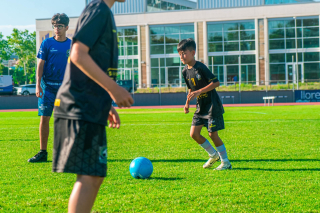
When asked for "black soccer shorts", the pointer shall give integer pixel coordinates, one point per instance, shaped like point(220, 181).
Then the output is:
point(80, 147)
point(212, 124)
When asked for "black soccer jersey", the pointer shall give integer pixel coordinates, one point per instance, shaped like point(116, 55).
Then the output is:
point(208, 104)
point(79, 97)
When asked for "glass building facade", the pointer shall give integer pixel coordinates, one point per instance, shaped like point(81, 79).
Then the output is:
point(159, 5)
point(286, 1)
point(163, 47)
point(143, 6)
point(287, 49)
point(290, 39)
point(128, 54)
point(231, 47)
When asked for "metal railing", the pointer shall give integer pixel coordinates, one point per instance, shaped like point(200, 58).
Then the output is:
point(232, 86)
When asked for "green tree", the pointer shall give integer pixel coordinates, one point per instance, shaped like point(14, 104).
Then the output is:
point(23, 44)
point(4, 54)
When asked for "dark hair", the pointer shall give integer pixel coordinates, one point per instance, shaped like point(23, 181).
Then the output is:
point(60, 18)
point(185, 44)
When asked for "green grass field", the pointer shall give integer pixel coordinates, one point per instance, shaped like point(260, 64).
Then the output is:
point(275, 154)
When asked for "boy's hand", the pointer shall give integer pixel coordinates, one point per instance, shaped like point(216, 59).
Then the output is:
point(114, 119)
point(193, 95)
point(39, 92)
point(186, 109)
point(121, 97)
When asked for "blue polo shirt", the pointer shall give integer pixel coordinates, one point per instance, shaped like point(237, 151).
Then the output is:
point(55, 54)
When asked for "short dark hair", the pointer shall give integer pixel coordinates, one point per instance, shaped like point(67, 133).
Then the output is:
point(60, 18)
point(185, 44)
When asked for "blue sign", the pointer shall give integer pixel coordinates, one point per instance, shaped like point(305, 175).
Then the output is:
point(307, 95)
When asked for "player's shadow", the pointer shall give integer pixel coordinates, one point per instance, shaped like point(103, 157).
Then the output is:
point(261, 120)
point(271, 160)
point(161, 160)
point(179, 160)
point(277, 170)
point(165, 179)
point(48, 161)
point(277, 160)
point(204, 160)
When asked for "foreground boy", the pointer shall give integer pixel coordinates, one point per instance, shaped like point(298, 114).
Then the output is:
point(83, 104)
point(201, 84)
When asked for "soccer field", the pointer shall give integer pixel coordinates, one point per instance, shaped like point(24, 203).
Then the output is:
point(274, 152)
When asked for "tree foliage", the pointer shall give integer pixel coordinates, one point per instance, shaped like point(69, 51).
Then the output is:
point(23, 45)
point(4, 53)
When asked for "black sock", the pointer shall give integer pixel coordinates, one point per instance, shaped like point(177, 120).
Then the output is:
point(43, 150)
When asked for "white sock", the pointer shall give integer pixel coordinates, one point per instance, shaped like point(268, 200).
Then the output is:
point(208, 147)
point(223, 153)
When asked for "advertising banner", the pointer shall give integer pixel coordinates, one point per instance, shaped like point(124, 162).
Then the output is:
point(307, 95)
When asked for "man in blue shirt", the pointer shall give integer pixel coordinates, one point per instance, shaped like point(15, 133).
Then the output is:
point(53, 57)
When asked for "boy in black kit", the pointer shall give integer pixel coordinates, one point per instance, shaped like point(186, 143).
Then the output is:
point(83, 104)
point(201, 84)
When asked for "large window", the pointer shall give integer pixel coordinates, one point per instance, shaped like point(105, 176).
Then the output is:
point(227, 41)
point(288, 36)
point(163, 45)
point(164, 39)
point(283, 33)
point(128, 41)
point(127, 68)
point(158, 5)
point(282, 66)
point(170, 72)
point(226, 68)
point(231, 36)
point(128, 65)
point(284, 1)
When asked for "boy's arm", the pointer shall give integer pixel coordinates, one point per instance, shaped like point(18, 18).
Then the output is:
point(188, 101)
point(186, 107)
point(209, 76)
point(39, 92)
point(205, 89)
point(81, 58)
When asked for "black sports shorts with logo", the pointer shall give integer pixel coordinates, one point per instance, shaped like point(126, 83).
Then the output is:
point(212, 124)
point(80, 147)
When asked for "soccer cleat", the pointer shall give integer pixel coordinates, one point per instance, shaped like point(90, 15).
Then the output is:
point(211, 160)
point(223, 166)
point(39, 157)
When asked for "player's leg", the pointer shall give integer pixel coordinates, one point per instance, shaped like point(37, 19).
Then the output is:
point(45, 108)
point(195, 133)
point(44, 130)
point(214, 125)
point(215, 138)
point(84, 193)
point(80, 148)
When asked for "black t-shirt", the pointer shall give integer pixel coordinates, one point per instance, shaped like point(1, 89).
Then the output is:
point(208, 104)
point(79, 97)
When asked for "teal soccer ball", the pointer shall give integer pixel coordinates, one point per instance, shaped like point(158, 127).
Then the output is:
point(141, 168)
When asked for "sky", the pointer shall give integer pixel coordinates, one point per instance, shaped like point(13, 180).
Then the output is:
point(22, 14)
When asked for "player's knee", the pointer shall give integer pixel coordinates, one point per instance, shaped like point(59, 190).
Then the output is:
point(45, 119)
point(213, 135)
point(194, 135)
point(93, 181)
point(97, 181)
